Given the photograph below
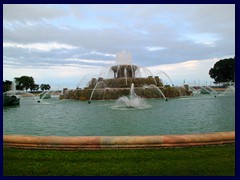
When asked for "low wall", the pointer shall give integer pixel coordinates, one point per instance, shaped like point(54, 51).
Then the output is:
point(116, 142)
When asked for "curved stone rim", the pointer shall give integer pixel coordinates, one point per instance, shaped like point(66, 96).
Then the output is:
point(116, 142)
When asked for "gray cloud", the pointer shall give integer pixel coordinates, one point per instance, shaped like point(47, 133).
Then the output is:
point(108, 29)
point(28, 12)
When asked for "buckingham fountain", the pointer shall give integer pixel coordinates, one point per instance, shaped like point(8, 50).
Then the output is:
point(122, 79)
point(135, 114)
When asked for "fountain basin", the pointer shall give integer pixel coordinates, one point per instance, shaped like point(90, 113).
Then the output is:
point(116, 142)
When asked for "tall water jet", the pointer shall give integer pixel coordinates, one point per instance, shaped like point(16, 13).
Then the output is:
point(13, 87)
point(132, 92)
point(124, 57)
point(123, 74)
point(133, 74)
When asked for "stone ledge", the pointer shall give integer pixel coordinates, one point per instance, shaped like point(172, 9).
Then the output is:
point(116, 142)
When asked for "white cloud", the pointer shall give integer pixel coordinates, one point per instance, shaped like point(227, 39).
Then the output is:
point(154, 48)
point(208, 39)
point(190, 71)
point(102, 54)
point(207, 43)
point(190, 65)
point(39, 46)
point(91, 61)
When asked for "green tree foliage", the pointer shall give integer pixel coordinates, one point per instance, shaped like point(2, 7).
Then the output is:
point(223, 71)
point(45, 87)
point(24, 82)
point(34, 87)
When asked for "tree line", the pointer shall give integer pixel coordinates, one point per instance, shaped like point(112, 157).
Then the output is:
point(24, 83)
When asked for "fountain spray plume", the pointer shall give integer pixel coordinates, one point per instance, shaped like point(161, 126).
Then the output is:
point(100, 82)
point(124, 57)
point(123, 74)
point(194, 91)
point(132, 92)
point(208, 91)
point(86, 77)
point(230, 90)
point(160, 71)
point(13, 86)
point(154, 86)
point(44, 95)
point(212, 90)
point(132, 101)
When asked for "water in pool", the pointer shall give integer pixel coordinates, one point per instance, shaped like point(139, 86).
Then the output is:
point(183, 115)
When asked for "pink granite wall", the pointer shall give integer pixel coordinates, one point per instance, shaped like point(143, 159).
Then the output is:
point(116, 142)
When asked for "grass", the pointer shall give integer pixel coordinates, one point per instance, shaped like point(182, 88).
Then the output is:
point(192, 161)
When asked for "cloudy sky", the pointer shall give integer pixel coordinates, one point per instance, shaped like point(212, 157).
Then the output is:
point(65, 45)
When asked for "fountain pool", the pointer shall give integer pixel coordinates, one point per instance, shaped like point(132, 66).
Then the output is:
point(182, 115)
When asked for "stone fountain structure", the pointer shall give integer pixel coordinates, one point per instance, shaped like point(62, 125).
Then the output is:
point(10, 98)
point(122, 76)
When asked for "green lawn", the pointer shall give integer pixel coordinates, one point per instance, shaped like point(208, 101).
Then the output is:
point(191, 161)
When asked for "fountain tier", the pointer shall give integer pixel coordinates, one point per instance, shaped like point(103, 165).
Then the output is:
point(120, 84)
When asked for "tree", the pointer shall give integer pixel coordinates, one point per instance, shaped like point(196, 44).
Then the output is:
point(223, 71)
point(34, 87)
point(24, 82)
point(45, 87)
